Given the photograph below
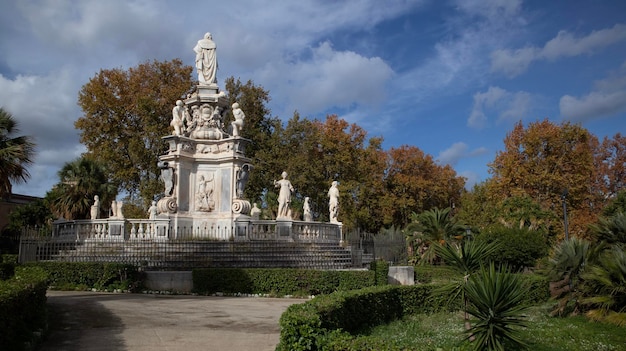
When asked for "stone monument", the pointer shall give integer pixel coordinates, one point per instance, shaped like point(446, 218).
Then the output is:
point(205, 169)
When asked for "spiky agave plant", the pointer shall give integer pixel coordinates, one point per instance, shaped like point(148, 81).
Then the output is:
point(496, 302)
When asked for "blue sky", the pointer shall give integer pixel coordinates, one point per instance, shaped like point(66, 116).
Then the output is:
point(448, 76)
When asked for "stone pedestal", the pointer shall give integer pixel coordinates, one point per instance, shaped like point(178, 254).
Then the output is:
point(401, 275)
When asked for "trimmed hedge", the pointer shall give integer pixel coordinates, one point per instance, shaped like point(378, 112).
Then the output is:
point(330, 322)
point(381, 271)
point(325, 320)
point(87, 275)
point(22, 307)
point(278, 281)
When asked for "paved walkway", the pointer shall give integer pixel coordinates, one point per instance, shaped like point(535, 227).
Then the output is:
point(136, 322)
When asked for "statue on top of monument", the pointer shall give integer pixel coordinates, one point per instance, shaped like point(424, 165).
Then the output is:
point(206, 60)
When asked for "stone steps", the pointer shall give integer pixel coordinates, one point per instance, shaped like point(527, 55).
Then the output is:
point(186, 254)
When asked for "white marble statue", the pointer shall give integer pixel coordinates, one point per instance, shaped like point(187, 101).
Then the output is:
point(255, 212)
point(206, 60)
point(178, 115)
point(333, 202)
point(239, 117)
point(306, 209)
point(242, 176)
point(167, 176)
point(119, 214)
point(284, 196)
point(95, 208)
point(113, 209)
point(204, 194)
point(153, 210)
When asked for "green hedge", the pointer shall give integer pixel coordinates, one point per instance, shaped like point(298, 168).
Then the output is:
point(278, 281)
point(325, 320)
point(87, 275)
point(435, 274)
point(22, 307)
point(329, 322)
point(381, 271)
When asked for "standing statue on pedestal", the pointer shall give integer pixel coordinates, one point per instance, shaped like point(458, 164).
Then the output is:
point(306, 209)
point(333, 202)
point(242, 175)
point(284, 196)
point(95, 208)
point(167, 176)
point(153, 210)
point(206, 60)
point(237, 124)
point(178, 116)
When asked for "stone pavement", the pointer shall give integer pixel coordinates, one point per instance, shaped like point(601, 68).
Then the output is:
point(89, 321)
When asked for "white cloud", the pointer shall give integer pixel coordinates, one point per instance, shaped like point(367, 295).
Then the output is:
point(472, 178)
point(592, 105)
point(608, 98)
point(491, 8)
point(330, 79)
point(514, 62)
point(458, 151)
point(507, 106)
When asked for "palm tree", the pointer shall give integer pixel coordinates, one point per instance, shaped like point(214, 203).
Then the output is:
point(16, 153)
point(611, 230)
point(564, 270)
point(431, 227)
point(605, 282)
point(80, 181)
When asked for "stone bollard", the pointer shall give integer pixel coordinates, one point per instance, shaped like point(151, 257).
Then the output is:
point(401, 275)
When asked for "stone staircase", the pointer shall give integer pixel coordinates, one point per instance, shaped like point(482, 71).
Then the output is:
point(177, 255)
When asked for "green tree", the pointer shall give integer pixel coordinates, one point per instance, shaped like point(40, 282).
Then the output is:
point(16, 152)
point(79, 181)
point(518, 248)
point(431, 228)
point(262, 129)
point(126, 113)
point(617, 204)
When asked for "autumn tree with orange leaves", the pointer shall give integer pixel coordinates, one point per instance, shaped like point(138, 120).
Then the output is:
point(545, 160)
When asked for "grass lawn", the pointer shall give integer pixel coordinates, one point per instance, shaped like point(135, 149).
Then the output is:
point(444, 331)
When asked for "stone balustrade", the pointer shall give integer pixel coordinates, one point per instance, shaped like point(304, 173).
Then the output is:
point(114, 229)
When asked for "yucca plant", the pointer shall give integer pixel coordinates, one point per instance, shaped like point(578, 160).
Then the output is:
point(466, 259)
point(496, 301)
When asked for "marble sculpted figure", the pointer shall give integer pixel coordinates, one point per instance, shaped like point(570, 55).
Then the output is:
point(284, 196)
point(153, 210)
point(306, 209)
point(206, 60)
point(333, 202)
point(204, 194)
point(255, 212)
point(95, 208)
point(237, 124)
point(178, 116)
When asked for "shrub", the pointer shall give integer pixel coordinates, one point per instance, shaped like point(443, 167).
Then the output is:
point(277, 281)
point(381, 271)
point(519, 247)
point(22, 307)
point(329, 321)
point(86, 275)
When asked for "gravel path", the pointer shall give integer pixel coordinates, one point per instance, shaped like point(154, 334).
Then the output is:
point(107, 321)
